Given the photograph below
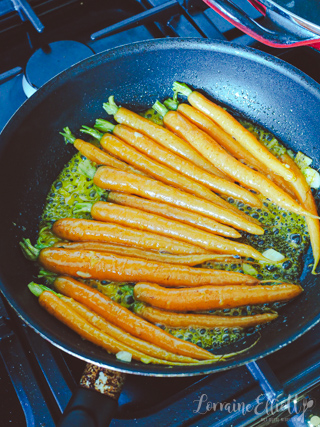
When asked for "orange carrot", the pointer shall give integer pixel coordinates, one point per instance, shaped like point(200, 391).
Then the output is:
point(236, 130)
point(145, 221)
point(82, 230)
point(159, 134)
point(305, 197)
point(213, 297)
point(122, 336)
point(190, 260)
point(159, 171)
point(116, 180)
point(104, 266)
point(241, 173)
point(152, 149)
point(173, 212)
point(126, 320)
point(186, 320)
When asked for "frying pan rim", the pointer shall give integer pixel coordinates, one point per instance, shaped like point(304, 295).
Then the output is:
point(124, 50)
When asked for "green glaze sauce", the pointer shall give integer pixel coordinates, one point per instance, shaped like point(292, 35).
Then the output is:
point(285, 232)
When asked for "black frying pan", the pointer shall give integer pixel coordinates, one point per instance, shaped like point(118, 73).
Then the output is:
point(260, 87)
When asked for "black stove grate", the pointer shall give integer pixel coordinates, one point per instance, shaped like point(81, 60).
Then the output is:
point(38, 379)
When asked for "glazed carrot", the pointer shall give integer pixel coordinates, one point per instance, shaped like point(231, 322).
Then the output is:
point(173, 212)
point(231, 145)
point(95, 154)
point(82, 230)
point(159, 171)
point(104, 266)
point(145, 221)
point(185, 320)
point(235, 129)
point(213, 297)
point(63, 312)
point(116, 180)
point(305, 197)
point(126, 320)
point(159, 134)
point(122, 336)
point(143, 254)
point(152, 149)
point(240, 172)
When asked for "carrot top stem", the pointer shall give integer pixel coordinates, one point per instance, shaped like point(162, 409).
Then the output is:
point(38, 289)
point(29, 251)
point(160, 108)
point(104, 125)
point(87, 169)
point(90, 131)
point(171, 103)
point(69, 138)
point(110, 106)
point(181, 88)
point(82, 207)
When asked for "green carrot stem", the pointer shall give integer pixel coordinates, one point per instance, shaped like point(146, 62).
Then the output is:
point(181, 88)
point(93, 132)
point(160, 108)
point(87, 169)
point(104, 125)
point(29, 251)
point(110, 106)
point(38, 289)
point(82, 207)
point(69, 138)
point(171, 104)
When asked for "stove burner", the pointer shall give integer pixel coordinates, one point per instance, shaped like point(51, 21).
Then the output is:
point(51, 60)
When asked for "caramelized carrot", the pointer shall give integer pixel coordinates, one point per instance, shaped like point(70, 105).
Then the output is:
point(82, 230)
point(159, 134)
point(122, 336)
point(305, 197)
point(186, 320)
point(126, 320)
point(173, 212)
point(231, 145)
point(143, 254)
point(117, 180)
point(145, 221)
point(213, 297)
point(241, 173)
point(104, 266)
point(159, 171)
point(81, 326)
point(153, 150)
point(236, 130)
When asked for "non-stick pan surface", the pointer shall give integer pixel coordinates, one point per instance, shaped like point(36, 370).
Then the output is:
point(260, 87)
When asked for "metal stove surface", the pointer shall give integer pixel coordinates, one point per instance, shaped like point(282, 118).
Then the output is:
point(37, 379)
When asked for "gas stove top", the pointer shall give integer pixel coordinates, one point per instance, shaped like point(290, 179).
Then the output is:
point(38, 379)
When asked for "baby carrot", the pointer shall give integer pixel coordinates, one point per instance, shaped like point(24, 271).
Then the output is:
point(122, 336)
point(126, 182)
point(63, 312)
point(213, 297)
point(159, 171)
point(104, 266)
point(126, 320)
point(235, 129)
point(152, 149)
point(145, 221)
point(240, 172)
point(160, 134)
point(82, 230)
point(231, 145)
point(95, 154)
point(139, 253)
point(173, 212)
point(305, 197)
point(185, 320)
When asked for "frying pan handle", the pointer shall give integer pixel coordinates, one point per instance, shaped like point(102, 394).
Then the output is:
point(276, 29)
point(95, 401)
